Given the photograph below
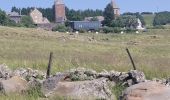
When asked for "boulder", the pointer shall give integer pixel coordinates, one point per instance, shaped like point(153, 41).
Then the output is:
point(137, 76)
point(15, 84)
point(29, 74)
point(83, 90)
point(5, 72)
point(147, 91)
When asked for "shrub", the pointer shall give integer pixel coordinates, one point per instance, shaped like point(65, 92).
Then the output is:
point(108, 30)
point(130, 30)
point(60, 28)
point(82, 31)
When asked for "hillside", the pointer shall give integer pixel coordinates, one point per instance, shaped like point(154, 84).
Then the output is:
point(23, 47)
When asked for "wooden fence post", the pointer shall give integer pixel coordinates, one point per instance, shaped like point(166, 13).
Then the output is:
point(49, 65)
point(131, 59)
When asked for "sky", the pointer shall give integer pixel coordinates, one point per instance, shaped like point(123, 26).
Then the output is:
point(125, 5)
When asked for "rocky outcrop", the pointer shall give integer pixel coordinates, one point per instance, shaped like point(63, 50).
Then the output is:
point(147, 91)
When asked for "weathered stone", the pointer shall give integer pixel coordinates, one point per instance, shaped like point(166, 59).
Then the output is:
point(13, 85)
point(123, 76)
point(51, 83)
point(81, 74)
point(29, 74)
point(84, 90)
point(137, 76)
point(104, 73)
point(5, 72)
point(147, 91)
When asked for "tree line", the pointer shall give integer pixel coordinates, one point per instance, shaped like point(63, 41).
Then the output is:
point(71, 14)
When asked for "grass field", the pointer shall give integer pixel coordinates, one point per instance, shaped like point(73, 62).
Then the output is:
point(22, 47)
point(149, 19)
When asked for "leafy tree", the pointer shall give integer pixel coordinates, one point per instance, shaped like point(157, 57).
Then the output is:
point(3, 18)
point(108, 15)
point(162, 18)
point(26, 21)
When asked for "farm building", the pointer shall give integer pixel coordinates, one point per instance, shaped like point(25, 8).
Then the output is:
point(14, 16)
point(85, 25)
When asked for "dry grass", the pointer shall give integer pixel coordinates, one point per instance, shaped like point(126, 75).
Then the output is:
point(21, 47)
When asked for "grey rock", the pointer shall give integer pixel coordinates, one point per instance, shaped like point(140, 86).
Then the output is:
point(51, 83)
point(84, 90)
point(5, 72)
point(13, 85)
point(137, 76)
point(29, 74)
point(147, 91)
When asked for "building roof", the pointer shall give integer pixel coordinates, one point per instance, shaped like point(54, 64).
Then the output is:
point(58, 2)
point(13, 14)
point(115, 6)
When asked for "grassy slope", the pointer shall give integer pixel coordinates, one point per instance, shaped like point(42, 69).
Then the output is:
point(149, 19)
point(21, 47)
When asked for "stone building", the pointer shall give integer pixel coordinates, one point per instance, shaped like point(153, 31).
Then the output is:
point(115, 8)
point(38, 18)
point(60, 14)
point(14, 16)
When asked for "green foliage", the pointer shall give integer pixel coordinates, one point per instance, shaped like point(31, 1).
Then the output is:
point(3, 18)
point(82, 31)
point(111, 29)
point(26, 21)
point(108, 15)
point(60, 28)
point(162, 18)
point(118, 89)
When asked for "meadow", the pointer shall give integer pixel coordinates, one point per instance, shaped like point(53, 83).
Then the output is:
point(24, 47)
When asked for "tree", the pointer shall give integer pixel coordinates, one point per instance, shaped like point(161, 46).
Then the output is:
point(3, 18)
point(162, 18)
point(108, 15)
point(26, 21)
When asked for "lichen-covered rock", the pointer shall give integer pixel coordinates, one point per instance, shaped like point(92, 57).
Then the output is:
point(5, 72)
point(81, 74)
point(29, 74)
point(137, 76)
point(84, 90)
point(147, 91)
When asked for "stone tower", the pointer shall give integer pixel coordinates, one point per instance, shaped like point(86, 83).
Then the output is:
point(115, 8)
point(60, 15)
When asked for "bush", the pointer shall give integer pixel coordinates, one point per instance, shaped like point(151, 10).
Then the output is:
point(60, 28)
point(130, 30)
point(111, 29)
point(108, 30)
point(82, 31)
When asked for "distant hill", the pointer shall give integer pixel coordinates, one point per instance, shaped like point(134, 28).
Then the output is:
point(149, 19)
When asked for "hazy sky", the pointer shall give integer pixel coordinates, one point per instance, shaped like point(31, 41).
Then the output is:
point(125, 5)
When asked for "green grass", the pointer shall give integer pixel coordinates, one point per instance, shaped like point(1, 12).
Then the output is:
point(149, 19)
point(22, 47)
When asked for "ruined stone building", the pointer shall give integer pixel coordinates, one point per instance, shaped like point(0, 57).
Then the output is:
point(115, 8)
point(37, 17)
point(60, 14)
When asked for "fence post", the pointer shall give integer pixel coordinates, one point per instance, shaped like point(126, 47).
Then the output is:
point(131, 59)
point(49, 65)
